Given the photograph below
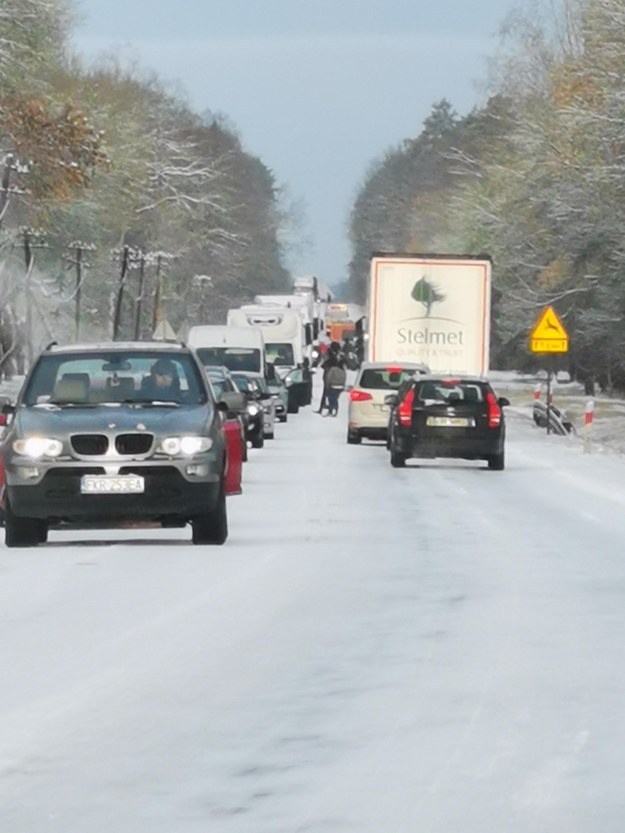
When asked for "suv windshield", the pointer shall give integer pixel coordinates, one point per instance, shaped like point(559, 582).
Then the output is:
point(92, 378)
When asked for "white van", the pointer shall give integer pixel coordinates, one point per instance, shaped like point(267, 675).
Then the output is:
point(237, 348)
point(281, 328)
point(283, 335)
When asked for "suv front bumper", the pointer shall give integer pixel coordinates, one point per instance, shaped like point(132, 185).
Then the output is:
point(167, 494)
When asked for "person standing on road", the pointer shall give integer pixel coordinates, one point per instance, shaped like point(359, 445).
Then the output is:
point(331, 360)
point(336, 385)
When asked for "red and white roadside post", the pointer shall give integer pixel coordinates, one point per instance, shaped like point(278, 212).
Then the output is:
point(588, 415)
point(537, 392)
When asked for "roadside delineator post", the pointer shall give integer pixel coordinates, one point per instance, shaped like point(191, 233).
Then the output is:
point(537, 392)
point(588, 415)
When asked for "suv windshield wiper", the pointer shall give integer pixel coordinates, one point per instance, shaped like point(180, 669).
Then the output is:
point(58, 404)
point(154, 403)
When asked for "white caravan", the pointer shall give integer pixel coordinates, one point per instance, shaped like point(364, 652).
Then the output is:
point(304, 304)
point(237, 348)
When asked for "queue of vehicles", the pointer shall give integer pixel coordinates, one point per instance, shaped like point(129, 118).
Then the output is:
point(148, 433)
point(424, 389)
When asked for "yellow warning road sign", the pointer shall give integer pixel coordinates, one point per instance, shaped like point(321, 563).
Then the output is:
point(549, 335)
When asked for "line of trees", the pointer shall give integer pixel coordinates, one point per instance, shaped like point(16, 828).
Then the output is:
point(118, 204)
point(535, 177)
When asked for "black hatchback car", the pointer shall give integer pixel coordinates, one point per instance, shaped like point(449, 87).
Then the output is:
point(438, 416)
point(113, 434)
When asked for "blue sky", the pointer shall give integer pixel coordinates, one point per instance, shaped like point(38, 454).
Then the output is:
point(318, 90)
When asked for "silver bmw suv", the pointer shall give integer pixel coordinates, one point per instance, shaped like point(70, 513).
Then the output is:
point(109, 434)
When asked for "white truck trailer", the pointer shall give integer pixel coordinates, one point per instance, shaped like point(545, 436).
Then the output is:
point(431, 308)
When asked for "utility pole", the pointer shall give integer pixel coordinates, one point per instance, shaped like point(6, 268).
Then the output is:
point(160, 260)
point(78, 263)
point(139, 298)
point(31, 239)
point(124, 255)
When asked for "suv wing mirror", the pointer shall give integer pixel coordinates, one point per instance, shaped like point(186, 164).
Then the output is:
point(234, 401)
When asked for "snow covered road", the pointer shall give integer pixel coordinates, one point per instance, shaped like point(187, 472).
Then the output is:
point(436, 649)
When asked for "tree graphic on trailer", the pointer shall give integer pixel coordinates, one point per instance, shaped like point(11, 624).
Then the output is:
point(428, 294)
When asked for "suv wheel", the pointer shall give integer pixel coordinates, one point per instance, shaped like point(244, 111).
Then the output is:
point(212, 527)
point(23, 532)
point(353, 438)
point(398, 460)
point(497, 462)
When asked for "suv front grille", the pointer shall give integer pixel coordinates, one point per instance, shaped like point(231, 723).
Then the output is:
point(133, 443)
point(90, 445)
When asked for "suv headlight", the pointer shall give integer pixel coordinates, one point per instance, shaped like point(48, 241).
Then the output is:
point(253, 410)
point(173, 446)
point(37, 447)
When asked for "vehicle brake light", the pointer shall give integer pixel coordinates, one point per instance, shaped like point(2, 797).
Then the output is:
point(393, 369)
point(494, 411)
point(450, 382)
point(405, 409)
point(359, 395)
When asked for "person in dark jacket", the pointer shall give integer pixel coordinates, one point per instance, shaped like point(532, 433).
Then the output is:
point(331, 360)
point(162, 383)
point(333, 379)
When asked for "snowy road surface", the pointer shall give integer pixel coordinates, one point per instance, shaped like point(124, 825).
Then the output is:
point(437, 649)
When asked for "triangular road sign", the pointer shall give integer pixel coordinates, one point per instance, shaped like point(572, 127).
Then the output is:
point(164, 331)
point(549, 335)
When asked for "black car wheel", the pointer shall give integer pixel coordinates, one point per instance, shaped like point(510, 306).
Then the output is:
point(398, 460)
point(497, 462)
point(258, 441)
point(23, 532)
point(212, 527)
point(283, 417)
point(353, 438)
point(293, 409)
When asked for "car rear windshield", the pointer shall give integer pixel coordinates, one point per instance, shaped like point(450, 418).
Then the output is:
point(383, 379)
point(244, 359)
point(449, 390)
point(92, 378)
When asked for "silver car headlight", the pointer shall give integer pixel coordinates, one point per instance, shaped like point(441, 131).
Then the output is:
point(173, 446)
point(253, 410)
point(38, 447)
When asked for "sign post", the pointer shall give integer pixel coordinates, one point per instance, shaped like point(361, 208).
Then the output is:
point(549, 336)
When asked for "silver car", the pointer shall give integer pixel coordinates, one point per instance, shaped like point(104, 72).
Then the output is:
point(368, 412)
point(111, 434)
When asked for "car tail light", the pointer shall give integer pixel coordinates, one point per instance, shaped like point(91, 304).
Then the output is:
point(494, 411)
point(405, 409)
point(359, 395)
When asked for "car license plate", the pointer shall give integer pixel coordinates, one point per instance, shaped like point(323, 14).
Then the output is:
point(450, 422)
point(104, 484)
